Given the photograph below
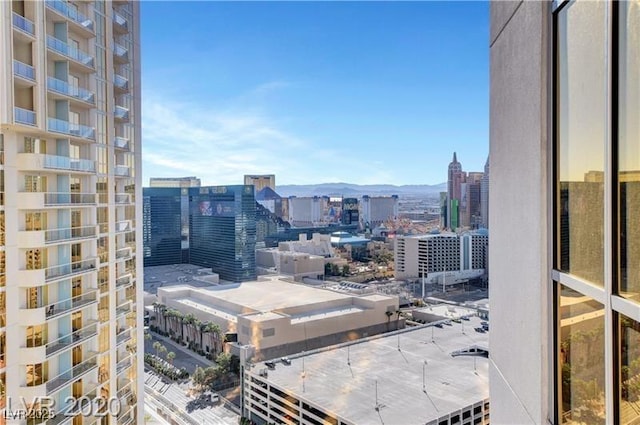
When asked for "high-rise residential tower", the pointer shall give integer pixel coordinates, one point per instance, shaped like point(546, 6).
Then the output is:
point(565, 286)
point(70, 288)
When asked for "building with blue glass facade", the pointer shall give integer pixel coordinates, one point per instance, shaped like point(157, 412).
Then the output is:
point(212, 226)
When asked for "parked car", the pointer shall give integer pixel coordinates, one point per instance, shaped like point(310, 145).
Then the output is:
point(286, 360)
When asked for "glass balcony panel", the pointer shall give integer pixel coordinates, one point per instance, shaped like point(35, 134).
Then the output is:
point(23, 70)
point(121, 143)
point(66, 163)
point(74, 303)
point(74, 338)
point(65, 127)
point(120, 82)
point(123, 336)
point(122, 170)
point(121, 52)
point(23, 24)
point(72, 374)
point(123, 198)
point(69, 269)
point(69, 198)
point(56, 235)
point(63, 8)
point(120, 21)
point(121, 113)
point(67, 89)
point(64, 49)
point(24, 116)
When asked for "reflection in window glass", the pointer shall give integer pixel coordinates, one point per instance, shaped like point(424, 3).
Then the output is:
point(581, 126)
point(629, 148)
point(581, 359)
point(629, 370)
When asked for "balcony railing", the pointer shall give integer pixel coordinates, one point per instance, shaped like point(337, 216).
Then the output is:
point(23, 24)
point(69, 198)
point(121, 113)
point(24, 116)
point(123, 226)
point(121, 143)
point(70, 269)
point(72, 374)
point(63, 8)
point(57, 235)
point(120, 82)
point(123, 364)
point(121, 53)
point(120, 22)
point(123, 253)
point(66, 127)
point(123, 198)
point(71, 164)
point(74, 338)
point(122, 171)
point(23, 70)
point(70, 52)
point(123, 336)
point(123, 309)
point(123, 282)
point(71, 304)
point(67, 89)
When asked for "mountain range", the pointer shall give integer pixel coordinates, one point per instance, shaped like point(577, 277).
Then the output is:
point(357, 190)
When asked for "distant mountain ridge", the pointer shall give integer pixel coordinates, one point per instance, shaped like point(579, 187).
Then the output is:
point(357, 190)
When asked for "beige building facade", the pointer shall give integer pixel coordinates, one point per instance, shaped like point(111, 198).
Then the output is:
point(70, 176)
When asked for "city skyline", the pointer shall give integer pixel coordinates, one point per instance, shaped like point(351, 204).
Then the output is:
point(303, 91)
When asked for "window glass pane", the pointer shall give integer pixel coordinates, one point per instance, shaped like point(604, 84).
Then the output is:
point(629, 370)
point(581, 359)
point(581, 136)
point(629, 149)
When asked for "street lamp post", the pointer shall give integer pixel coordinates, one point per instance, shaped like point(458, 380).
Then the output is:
point(424, 384)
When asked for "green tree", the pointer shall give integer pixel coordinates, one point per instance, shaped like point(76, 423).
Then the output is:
point(224, 363)
point(171, 356)
point(346, 270)
point(162, 349)
point(156, 346)
point(198, 377)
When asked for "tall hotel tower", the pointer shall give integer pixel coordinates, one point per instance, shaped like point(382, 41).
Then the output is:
point(71, 282)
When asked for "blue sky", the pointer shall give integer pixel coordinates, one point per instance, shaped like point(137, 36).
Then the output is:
point(358, 92)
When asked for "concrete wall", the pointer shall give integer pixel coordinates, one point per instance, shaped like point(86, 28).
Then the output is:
point(519, 201)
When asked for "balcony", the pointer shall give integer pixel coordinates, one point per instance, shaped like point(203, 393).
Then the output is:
point(123, 226)
point(24, 71)
point(69, 52)
point(72, 304)
point(123, 336)
point(124, 253)
point(24, 116)
point(76, 130)
point(77, 93)
point(123, 364)
point(73, 374)
point(39, 200)
point(39, 238)
point(123, 198)
point(120, 54)
point(120, 84)
point(38, 162)
point(71, 340)
point(23, 25)
point(63, 9)
point(124, 309)
point(122, 171)
point(124, 281)
point(120, 113)
point(121, 143)
point(120, 24)
point(39, 277)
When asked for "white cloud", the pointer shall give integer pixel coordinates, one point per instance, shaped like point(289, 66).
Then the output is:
point(220, 146)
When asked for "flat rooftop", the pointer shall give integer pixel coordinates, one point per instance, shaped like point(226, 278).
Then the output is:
point(343, 380)
point(175, 274)
point(268, 294)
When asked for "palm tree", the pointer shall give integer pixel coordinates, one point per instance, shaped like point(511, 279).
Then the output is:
point(170, 356)
point(162, 349)
point(156, 346)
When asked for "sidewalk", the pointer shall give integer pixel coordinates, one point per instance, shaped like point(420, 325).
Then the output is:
point(175, 347)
